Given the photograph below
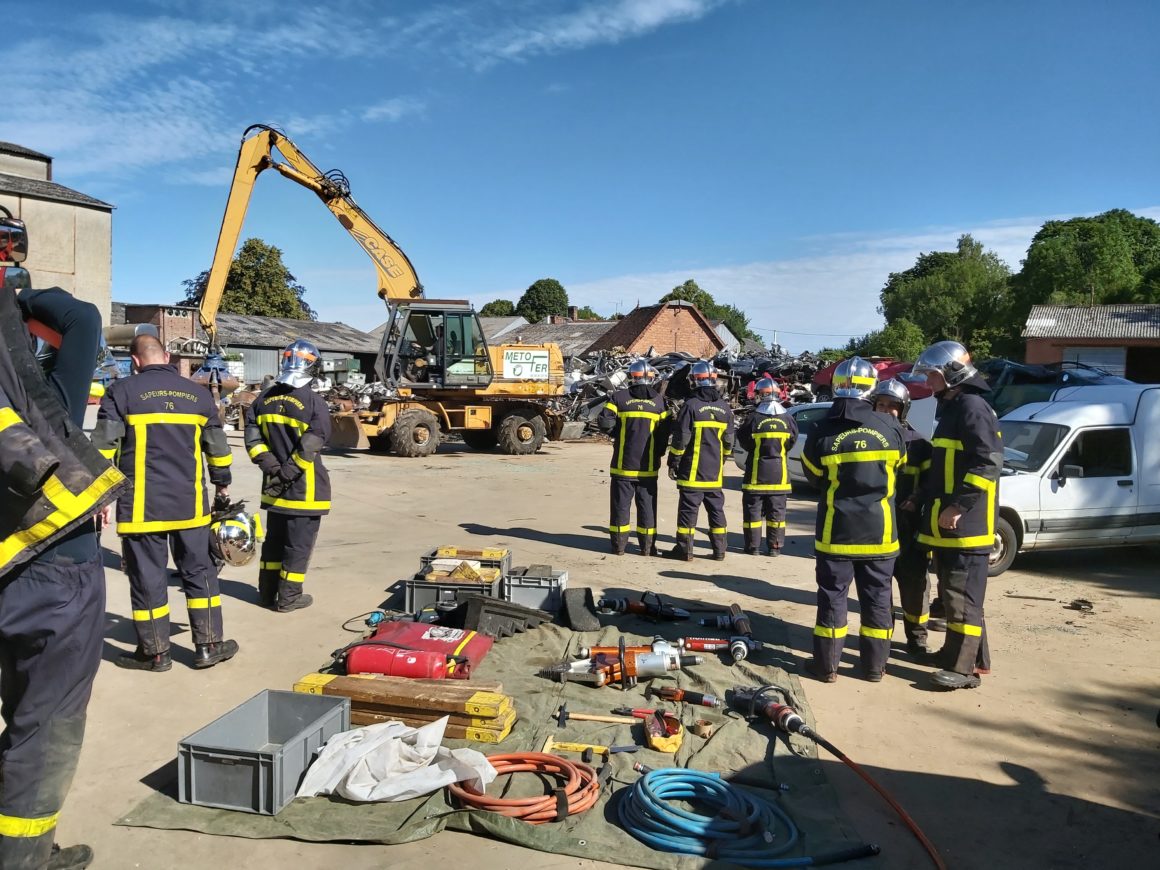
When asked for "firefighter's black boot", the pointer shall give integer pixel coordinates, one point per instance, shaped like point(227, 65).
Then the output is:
point(683, 550)
point(210, 654)
point(139, 661)
point(298, 603)
point(618, 543)
point(75, 857)
point(752, 540)
point(648, 546)
point(718, 540)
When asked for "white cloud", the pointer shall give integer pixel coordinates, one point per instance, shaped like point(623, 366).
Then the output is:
point(393, 109)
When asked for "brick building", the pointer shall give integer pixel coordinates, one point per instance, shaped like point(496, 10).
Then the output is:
point(665, 327)
point(1122, 340)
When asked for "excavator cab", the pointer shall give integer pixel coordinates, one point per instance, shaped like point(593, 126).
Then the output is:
point(434, 344)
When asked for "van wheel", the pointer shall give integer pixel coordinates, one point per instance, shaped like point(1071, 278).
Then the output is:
point(521, 432)
point(479, 439)
point(1005, 548)
point(415, 433)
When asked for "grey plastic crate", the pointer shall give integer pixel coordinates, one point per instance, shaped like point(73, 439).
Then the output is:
point(536, 586)
point(252, 758)
point(425, 593)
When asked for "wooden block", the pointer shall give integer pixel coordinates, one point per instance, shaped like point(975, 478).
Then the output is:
point(445, 696)
point(459, 732)
point(465, 553)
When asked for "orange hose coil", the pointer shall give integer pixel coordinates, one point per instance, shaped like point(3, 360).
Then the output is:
point(580, 786)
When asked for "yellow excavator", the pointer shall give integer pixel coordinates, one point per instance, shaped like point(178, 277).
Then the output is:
point(436, 372)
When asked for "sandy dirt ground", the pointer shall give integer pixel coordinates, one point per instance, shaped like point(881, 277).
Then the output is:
point(1054, 762)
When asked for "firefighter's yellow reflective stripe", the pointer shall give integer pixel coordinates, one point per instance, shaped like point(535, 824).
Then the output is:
point(66, 508)
point(681, 530)
point(177, 419)
point(979, 481)
point(259, 531)
point(155, 613)
point(718, 429)
point(8, 417)
point(767, 487)
point(270, 501)
point(856, 549)
point(947, 443)
point(618, 458)
point(221, 461)
point(756, 524)
point(863, 381)
point(109, 454)
point(811, 466)
point(912, 469)
point(719, 531)
point(203, 603)
point(198, 477)
point(292, 576)
point(17, 826)
point(937, 539)
point(950, 445)
point(150, 526)
point(879, 633)
point(257, 450)
point(140, 441)
point(609, 406)
point(307, 474)
point(641, 530)
point(965, 628)
point(758, 438)
point(264, 419)
point(775, 524)
point(917, 619)
point(641, 475)
point(616, 530)
point(269, 566)
point(642, 415)
point(828, 525)
point(887, 504)
point(862, 456)
point(827, 631)
point(676, 451)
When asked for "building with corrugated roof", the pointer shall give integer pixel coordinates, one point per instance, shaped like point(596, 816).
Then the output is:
point(1120, 339)
point(70, 235)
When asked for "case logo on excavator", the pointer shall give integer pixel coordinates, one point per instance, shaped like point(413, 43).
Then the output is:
point(380, 256)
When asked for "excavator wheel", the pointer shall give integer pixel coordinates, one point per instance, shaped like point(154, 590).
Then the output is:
point(480, 439)
point(415, 433)
point(521, 432)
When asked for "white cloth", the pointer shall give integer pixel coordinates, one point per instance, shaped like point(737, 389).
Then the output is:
point(391, 761)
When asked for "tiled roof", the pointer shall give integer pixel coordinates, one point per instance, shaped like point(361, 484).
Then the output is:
point(245, 330)
point(630, 328)
point(574, 337)
point(39, 189)
point(1093, 321)
point(21, 151)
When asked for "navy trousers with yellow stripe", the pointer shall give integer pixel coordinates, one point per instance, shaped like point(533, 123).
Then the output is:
point(623, 492)
point(146, 558)
point(285, 557)
point(52, 615)
point(962, 585)
point(763, 509)
point(689, 505)
point(872, 577)
point(910, 570)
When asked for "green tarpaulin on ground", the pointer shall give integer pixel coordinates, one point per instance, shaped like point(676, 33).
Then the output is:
point(747, 754)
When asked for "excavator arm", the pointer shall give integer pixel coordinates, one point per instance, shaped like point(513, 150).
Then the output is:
point(396, 276)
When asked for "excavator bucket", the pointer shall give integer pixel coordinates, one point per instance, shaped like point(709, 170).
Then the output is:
point(346, 433)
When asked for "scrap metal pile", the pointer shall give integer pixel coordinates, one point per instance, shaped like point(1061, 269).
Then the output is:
point(595, 376)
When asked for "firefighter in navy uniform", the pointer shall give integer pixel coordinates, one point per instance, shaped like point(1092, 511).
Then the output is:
point(910, 568)
point(639, 424)
point(52, 581)
point(286, 429)
point(854, 455)
point(767, 435)
point(157, 426)
point(702, 438)
point(961, 508)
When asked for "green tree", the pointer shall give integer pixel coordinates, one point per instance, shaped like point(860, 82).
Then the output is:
point(258, 283)
point(961, 295)
point(1112, 257)
point(587, 313)
point(901, 339)
point(498, 308)
point(545, 297)
point(730, 315)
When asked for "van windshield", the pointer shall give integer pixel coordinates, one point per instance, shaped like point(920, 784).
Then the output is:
point(1027, 444)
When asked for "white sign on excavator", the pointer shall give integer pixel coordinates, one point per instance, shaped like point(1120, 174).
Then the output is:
point(525, 365)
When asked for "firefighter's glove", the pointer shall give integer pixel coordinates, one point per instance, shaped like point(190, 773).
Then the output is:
point(289, 472)
point(673, 472)
point(269, 464)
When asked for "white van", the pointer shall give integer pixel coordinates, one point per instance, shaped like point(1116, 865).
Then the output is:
point(1080, 470)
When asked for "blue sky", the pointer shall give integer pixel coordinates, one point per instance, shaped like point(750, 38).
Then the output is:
point(785, 155)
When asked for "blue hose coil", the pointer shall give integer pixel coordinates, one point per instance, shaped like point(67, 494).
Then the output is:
point(746, 830)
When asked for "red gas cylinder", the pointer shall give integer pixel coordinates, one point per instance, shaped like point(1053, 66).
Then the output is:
point(414, 649)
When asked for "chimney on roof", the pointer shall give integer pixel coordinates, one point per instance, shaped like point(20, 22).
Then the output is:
point(573, 312)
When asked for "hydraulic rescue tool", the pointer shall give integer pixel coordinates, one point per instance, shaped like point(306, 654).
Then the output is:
point(741, 641)
point(755, 701)
point(623, 667)
point(739, 647)
point(650, 606)
point(672, 693)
